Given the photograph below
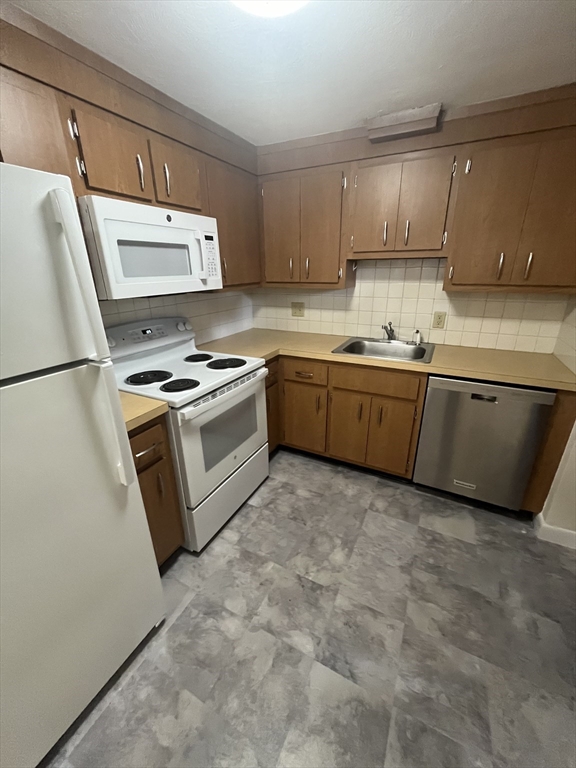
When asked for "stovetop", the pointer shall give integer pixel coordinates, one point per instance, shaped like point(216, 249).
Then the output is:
point(159, 359)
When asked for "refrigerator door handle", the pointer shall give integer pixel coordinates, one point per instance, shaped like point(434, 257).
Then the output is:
point(124, 463)
point(67, 215)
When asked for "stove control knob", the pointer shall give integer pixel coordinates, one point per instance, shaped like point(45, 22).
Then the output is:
point(111, 342)
point(188, 326)
point(181, 326)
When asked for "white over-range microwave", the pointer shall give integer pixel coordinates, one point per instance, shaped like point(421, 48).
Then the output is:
point(142, 250)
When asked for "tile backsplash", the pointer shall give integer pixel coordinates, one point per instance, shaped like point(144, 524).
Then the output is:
point(565, 348)
point(212, 315)
point(407, 292)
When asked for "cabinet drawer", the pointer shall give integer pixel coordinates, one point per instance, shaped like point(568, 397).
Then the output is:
point(272, 377)
point(148, 447)
point(305, 371)
point(378, 382)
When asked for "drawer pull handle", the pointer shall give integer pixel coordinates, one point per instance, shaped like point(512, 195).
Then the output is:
point(528, 265)
point(148, 450)
point(161, 484)
point(360, 408)
point(304, 375)
point(317, 404)
point(380, 416)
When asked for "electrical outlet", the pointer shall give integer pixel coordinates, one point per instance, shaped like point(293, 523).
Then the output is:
point(297, 308)
point(439, 320)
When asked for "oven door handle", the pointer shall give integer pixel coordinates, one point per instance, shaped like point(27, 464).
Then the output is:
point(191, 412)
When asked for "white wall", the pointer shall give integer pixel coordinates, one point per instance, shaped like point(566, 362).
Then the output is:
point(212, 315)
point(565, 348)
point(559, 513)
point(407, 292)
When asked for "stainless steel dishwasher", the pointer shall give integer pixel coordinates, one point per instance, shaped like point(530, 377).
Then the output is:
point(480, 440)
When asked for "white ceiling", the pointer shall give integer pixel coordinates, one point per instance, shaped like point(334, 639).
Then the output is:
point(330, 65)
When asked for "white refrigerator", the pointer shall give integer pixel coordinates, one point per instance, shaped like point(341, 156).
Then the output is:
point(79, 585)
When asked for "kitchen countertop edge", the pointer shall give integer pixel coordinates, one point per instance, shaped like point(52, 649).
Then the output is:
point(138, 409)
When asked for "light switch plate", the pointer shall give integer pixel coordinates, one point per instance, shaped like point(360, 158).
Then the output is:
point(439, 320)
point(297, 308)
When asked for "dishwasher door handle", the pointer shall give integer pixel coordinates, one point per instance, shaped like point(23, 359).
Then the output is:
point(485, 398)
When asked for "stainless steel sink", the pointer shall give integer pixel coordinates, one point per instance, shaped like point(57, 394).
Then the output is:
point(387, 350)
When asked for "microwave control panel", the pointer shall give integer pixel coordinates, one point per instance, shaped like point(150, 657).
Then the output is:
point(211, 256)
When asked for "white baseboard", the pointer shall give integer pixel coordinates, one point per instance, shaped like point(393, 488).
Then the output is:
point(561, 536)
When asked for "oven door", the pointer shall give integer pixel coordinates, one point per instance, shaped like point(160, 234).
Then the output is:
point(139, 250)
point(216, 437)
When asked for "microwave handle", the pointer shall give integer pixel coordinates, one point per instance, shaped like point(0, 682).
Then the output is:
point(67, 216)
point(202, 275)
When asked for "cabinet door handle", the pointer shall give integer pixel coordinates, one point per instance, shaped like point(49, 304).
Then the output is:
point(140, 165)
point(307, 268)
point(148, 450)
point(380, 416)
point(291, 268)
point(304, 375)
point(167, 178)
point(451, 273)
point(317, 404)
point(406, 231)
point(528, 266)
point(385, 233)
point(360, 408)
point(161, 484)
point(500, 265)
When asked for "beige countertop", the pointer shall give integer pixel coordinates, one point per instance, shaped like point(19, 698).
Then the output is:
point(138, 410)
point(527, 368)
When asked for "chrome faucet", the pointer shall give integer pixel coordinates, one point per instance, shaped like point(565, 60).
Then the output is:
point(389, 331)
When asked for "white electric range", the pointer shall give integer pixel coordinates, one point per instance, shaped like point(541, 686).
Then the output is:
point(217, 416)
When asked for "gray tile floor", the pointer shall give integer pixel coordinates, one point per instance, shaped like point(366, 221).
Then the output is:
point(344, 619)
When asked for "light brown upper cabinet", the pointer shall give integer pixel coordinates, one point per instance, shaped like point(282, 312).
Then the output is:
point(233, 198)
point(514, 218)
point(302, 227)
point(492, 195)
point(31, 131)
point(281, 226)
point(401, 206)
point(424, 193)
point(114, 153)
point(546, 254)
point(179, 175)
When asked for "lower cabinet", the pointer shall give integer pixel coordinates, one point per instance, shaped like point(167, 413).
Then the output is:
point(392, 424)
point(305, 416)
point(349, 419)
point(153, 460)
point(273, 416)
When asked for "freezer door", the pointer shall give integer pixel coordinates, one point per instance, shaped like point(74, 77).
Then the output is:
point(48, 306)
point(79, 586)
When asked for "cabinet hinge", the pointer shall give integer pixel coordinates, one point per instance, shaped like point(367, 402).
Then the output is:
point(344, 182)
point(468, 166)
point(355, 181)
point(415, 413)
point(444, 238)
point(454, 166)
point(80, 166)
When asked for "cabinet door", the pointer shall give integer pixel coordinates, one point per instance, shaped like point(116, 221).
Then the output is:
point(390, 434)
point(424, 193)
point(281, 215)
point(305, 416)
point(115, 155)
point(320, 214)
point(547, 250)
point(349, 418)
point(490, 207)
point(31, 130)
point(234, 203)
point(377, 191)
point(162, 508)
point(273, 415)
point(179, 175)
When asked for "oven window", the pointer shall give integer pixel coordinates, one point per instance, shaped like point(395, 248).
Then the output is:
point(141, 259)
point(225, 433)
